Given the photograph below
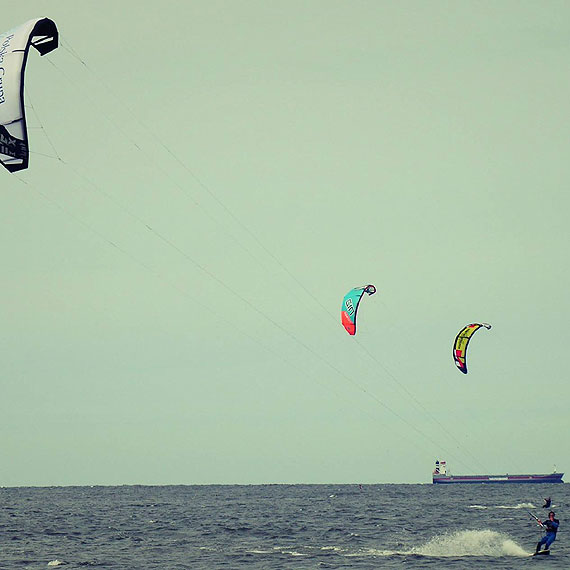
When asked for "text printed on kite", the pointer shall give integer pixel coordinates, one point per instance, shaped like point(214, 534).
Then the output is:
point(15, 44)
point(461, 343)
point(350, 304)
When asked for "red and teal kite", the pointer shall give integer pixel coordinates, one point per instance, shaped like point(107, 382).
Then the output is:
point(350, 304)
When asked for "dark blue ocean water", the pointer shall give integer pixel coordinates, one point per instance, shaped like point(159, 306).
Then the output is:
point(279, 526)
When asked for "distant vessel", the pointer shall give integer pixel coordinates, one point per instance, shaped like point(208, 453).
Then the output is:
point(441, 477)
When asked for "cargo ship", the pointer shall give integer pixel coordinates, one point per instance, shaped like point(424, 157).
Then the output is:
point(442, 477)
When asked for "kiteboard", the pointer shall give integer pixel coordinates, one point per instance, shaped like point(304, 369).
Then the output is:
point(540, 552)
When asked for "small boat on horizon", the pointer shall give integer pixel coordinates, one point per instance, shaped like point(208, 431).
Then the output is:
point(441, 476)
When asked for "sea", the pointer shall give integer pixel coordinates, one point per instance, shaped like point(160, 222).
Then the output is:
point(280, 526)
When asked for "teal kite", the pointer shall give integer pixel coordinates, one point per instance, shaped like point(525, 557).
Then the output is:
point(350, 304)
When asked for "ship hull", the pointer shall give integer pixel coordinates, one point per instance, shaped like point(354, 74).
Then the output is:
point(450, 479)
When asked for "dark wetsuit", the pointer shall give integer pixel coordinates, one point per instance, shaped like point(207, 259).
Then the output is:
point(551, 527)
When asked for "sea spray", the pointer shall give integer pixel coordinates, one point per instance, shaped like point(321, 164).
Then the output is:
point(471, 543)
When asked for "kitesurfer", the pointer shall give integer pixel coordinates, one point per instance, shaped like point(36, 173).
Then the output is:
point(551, 527)
point(547, 501)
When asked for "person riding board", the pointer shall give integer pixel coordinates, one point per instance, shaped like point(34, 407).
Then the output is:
point(551, 528)
point(547, 501)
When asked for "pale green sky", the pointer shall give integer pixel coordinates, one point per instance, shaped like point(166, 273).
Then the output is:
point(171, 287)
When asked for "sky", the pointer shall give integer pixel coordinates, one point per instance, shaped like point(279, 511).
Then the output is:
point(209, 178)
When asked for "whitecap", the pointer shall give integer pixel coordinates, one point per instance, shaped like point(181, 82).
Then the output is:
point(333, 548)
point(258, 551)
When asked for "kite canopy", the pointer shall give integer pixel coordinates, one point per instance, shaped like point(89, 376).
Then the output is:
point(350, 304)
point(461, 343)
point(14, 46)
